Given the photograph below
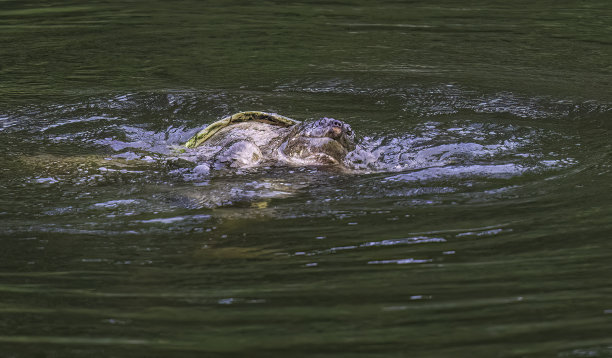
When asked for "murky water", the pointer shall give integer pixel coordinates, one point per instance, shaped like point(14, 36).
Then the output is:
point(475, 219)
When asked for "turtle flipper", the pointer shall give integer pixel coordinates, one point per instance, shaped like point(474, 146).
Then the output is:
point(255, 116)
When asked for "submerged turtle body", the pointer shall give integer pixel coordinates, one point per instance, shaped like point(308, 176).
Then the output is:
point(252, 138)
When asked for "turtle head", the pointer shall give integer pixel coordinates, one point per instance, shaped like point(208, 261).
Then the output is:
point(326, 141)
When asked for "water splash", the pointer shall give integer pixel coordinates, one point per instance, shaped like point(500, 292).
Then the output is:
point(132, 140)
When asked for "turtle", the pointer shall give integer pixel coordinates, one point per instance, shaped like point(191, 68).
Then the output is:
point(253, 138)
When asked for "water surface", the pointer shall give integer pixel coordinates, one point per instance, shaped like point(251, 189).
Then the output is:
point(475, 221)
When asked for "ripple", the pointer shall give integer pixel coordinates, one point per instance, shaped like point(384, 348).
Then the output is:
point(390, 242)
point(399, 261)
point(175, 219)
point(489, 171)
point(75, 340)
point(409, 240)
point(483, 233)
point(116, 203)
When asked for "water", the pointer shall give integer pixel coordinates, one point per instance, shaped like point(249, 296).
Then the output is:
point(476, 220)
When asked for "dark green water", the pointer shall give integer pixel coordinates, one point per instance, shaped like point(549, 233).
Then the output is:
point(479, 225)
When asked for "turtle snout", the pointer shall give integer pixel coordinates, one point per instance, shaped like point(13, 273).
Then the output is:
point(335, 127)
point(336, 131)
point(336, 123)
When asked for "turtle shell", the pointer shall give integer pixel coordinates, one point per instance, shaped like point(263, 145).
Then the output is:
point(251, 116)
